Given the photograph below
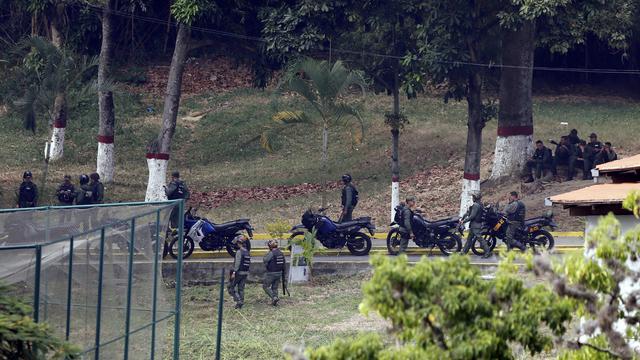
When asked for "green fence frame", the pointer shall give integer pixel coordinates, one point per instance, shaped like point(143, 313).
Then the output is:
point(99, 343)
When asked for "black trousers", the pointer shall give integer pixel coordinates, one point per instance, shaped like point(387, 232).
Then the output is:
point(347, 215)
point(569, 162)
point(538, 168)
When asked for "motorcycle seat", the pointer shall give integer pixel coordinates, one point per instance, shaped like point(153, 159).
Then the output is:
point(442, 221)
point(354, 222)
point(229, 224)
point(534, 220)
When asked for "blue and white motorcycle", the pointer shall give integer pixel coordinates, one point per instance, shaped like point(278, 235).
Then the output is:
point(210, 236)
point(334, 235)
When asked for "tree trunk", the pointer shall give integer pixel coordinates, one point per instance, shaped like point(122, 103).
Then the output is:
point(158, 155)
point(395, 139)
point(471, 177)
point(106, 152)
point(60, 102)
point(325, 159)
point(515, 117)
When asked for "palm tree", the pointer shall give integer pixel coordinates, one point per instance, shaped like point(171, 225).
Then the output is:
point(324, 86)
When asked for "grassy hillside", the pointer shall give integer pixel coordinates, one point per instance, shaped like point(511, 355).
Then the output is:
point(220, 150)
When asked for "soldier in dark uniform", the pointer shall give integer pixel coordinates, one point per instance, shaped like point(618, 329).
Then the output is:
point(83, 196)
point(573, 137)
point(349, 198)
point(240, 271)
point(97, 189)
point(589, 155)
point(66, 192)
point(566, 154)
point(516, 212)
point(28, 192)
point(606, 155)
point(540, 161)
point(176, 189)
point(275, 263)
point(406, 230)
point(474, 218)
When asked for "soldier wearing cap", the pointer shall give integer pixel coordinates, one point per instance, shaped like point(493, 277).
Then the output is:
point(591, 151)
point(275, 263)
point(240, 271)
point(475, 220)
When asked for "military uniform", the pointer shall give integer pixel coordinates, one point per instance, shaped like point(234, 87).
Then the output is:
point(515, 212)
point(27, 195)
point(566, 154)
point(176, 190)
point(542, 159)
point(405, 228)
point(66, 194)
point(349, 196)
point(98, 192)
point(474, 218)
point(240, 272)
point(591, 151)
point(275, 263)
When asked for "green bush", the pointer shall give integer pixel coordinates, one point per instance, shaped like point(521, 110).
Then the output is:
point(22, 338)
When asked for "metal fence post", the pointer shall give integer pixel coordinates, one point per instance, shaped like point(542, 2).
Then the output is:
point(36, 290)
point(154, 306)
point(176, 336)
point(129, 281)
point(220, 303)
point(99, 302)
point(67, 330)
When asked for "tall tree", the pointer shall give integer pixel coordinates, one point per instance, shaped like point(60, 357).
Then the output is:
point(185, 12)
point(106, 151)
point(323, 85)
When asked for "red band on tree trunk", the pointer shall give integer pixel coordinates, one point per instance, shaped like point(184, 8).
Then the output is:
point(471, 176)
point(59, 124)
point(506, 131)
point(159, 156)
point(105, 139)
point(395, 178)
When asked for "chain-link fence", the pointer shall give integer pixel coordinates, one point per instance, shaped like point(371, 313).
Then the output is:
point(94, 273)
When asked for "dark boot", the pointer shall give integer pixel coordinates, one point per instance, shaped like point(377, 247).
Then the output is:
point(519, 245)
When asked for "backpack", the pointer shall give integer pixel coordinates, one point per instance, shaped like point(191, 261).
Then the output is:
point(398, 218)
point(354, 202)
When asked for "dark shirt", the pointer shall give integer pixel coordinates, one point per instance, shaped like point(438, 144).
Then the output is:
point(573, 139)
point(173, 186)
point(542, 155)
point(592, 149)
point(98, 192)
point(347, 196)
point(474, 215)
point(66, 193)
point(565, 151)
point(27, 194)
point(407, 216)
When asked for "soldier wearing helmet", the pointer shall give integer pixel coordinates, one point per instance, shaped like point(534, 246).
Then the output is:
point(240, 271)
point(349, 198)
point(474, 217)
point(28, 192)
point(85, 194)
point(275, 263)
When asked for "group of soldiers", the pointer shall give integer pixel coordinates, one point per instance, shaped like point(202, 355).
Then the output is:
point(515, 212)
point(274, 262)
point(90, 191)
point(571, 152)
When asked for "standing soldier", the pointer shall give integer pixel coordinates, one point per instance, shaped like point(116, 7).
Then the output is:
point(177, 189)
point(66, 192)
point(83, 196)
point(240, 271)
point(28, 192)
point(97, 189)
point(516, 212)
point(275, 263)
point(474, 218)
point(406, 230)
point(349, 198)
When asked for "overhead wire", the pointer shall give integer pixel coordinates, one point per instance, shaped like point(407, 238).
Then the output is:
point(99, 9)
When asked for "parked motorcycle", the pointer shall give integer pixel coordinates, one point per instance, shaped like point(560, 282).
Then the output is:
point(334, 235)
point(210, 236)
point(428, 234)
point(532, 235)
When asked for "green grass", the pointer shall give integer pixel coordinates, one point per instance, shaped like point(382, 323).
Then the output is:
point(220, 150)
point(314, 315)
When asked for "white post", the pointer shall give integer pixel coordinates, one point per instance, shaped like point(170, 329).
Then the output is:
point(395, 198)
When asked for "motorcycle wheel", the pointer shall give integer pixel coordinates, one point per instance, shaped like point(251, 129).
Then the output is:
point(450, 244)
point(393, 241)
point(231, 249)
point(543, 237)
point(477, 249)
point(359, 244)
point(187, 247)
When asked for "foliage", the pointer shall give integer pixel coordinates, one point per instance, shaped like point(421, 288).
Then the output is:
point(602, 283)
point(309, 247)
point(364, 347)
point(444, 309)
point(23, 338)
point(278, 228)
point(395, 121)
point(187, 11)
point(38, 70)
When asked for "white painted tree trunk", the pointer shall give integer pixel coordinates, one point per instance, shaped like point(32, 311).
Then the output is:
point(157, 176)
point(510, 155)
point(468, 188)
point(105, 161)
point(395, 198)
point(57, 144)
